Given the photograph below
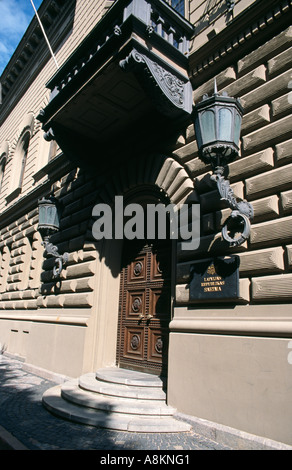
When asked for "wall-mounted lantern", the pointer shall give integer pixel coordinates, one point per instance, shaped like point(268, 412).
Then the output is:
point(217, 122)
point(49, 223)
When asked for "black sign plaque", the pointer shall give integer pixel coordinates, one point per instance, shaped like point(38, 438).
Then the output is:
point(215, 279)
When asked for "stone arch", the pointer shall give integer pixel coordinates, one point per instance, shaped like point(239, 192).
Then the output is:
point(168, 177)
point(19, 154)
point(4, 158)
point(162, 171)
point(27, 125)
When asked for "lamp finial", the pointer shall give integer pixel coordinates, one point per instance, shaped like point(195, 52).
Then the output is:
point(215, 87)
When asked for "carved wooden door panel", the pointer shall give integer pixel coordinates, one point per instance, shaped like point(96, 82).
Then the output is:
point(145, 307)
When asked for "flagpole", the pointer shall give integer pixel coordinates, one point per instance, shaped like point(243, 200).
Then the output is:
point(40, 23)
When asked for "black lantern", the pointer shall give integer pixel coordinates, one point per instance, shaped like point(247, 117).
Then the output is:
point(217, 121)
point(217, 127)
point(49, 223)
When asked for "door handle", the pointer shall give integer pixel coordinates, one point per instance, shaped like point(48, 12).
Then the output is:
point(147, 317)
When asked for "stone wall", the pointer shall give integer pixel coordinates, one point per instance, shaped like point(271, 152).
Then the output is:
point(262, 174)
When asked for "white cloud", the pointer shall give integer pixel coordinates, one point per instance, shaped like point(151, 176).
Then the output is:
point(14, 17)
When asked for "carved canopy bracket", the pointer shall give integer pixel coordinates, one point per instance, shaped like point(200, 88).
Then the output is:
point(171, 94)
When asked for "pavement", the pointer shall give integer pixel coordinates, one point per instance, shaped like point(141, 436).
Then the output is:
point(26, 425)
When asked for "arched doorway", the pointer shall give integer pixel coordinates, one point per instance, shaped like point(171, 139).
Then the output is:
point(145, 301)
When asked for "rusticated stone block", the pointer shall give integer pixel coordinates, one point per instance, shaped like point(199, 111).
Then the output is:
point(272, 133)
point(190, 133)
point(187, 152)
point(31, 304)
point(248, 82)
point(269, 49)
point(278, 287)
point(269, 90)
point(282, 105)
point(271, 181)
point(81, 270)
point(196, 166)
point(266, 208)
point(289, 255)
point(255, 163)
point(286, 201)
point(284, 152)
point(78, 300)
point(260, 261)
point(255, 119)
point(55, 301)
point(274, 231)
point(84, 284)
point(280, 62)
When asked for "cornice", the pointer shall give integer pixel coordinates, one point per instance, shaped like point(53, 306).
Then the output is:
point(248, 30)
point(32, 52)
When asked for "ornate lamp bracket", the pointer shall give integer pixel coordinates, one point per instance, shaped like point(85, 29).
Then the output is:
point(60, 260)
point(217, 122)
point(242, 211)
point(49, 224)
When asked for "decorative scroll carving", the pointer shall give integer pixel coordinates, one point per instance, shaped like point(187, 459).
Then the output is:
point(159, 345)
point(242, 211)
point(60, 260)
point(135, 342)
point(168, 90)
point(138, 268)
point(137, 302)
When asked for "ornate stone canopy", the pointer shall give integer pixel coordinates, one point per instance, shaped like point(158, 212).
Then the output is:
point(127, 79)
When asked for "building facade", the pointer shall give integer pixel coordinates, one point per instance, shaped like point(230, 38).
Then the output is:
point(117, 116)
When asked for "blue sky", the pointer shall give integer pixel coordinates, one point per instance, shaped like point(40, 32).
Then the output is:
point(15, 16)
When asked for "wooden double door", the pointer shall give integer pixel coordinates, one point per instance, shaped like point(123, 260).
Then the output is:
point(144, 307)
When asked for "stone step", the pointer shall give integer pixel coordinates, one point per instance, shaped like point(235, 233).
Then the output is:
point(129, 377)
point(91, 383)
point(54, 402)
point(71, 392)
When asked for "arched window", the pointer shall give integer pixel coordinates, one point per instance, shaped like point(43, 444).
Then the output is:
point(3, 160)
point(19, 157)
point(4, 156)
point(23, 150)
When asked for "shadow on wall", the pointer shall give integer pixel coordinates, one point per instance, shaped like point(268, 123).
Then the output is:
point(139, 181)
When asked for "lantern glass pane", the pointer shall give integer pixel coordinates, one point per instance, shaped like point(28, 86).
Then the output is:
point(52, 216)
point(208, 126)
point(237, 125)
point(42, 214)
point(225, 124)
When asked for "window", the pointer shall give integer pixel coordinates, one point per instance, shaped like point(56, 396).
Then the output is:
point(19, 163)
point(179, 6)
point(3, 160)
point(19, 157)
point(23, 150)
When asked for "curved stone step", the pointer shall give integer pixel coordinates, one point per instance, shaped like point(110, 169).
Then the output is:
point(128, 377)
point(72, 392)
point(91, 383)
point(53, 401)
